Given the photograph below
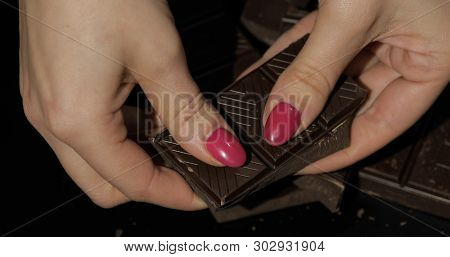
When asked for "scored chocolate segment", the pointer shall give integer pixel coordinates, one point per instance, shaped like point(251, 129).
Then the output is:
point(275, 66)
point(349, 94)
point(219, 185)
point(242, 103)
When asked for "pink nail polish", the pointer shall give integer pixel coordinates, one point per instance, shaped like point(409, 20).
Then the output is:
point(226, 148)
point(282, 123)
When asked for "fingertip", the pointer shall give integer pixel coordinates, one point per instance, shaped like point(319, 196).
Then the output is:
point(226, 148)
point(282, 123)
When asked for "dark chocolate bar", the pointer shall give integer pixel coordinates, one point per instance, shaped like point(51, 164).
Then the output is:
point(241, 103)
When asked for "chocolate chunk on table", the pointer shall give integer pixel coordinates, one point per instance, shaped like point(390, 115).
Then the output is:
point(222, 186)
point(416, 175)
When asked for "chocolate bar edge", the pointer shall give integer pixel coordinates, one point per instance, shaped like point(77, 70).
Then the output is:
point(206, 194)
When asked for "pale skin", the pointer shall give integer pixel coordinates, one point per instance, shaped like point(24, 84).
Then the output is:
point(80, 59)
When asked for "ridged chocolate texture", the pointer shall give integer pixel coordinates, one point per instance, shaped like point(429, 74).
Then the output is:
point(241, 105)
point(217, 185)
point(223, 186)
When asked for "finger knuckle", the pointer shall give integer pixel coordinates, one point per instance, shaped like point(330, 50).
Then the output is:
point(105, 202)
point(355, 16)
point(106, 196)
point(31, 113)
point(171, 56)
point(174, 52)
point(63, 120)
point(311, 77)
point(383, 120)
point(138, 195)
point(142, 192)
point(191, 110)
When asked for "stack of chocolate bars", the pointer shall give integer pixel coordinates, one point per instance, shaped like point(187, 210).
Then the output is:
point(414, 170)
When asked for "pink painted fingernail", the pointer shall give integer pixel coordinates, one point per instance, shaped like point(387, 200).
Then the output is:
point(225, 147)
point(282, 123)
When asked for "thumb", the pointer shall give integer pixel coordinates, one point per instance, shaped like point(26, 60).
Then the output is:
point(191, 119)
point(302, 89)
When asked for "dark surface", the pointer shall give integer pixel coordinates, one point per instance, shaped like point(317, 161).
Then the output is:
point(39, 199)
point(263, 20)
point(268, 21)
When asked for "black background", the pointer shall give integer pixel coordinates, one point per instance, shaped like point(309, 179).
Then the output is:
point(37, 198)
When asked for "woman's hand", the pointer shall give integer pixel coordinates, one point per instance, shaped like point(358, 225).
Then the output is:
point(79, 60)
point(399, 49)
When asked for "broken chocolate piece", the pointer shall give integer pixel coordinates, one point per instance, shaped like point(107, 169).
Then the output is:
point(415, 168)
point(241, 103)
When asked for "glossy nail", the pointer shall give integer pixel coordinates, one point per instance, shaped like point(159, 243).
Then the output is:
point(225, 148)
point(282, 123)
